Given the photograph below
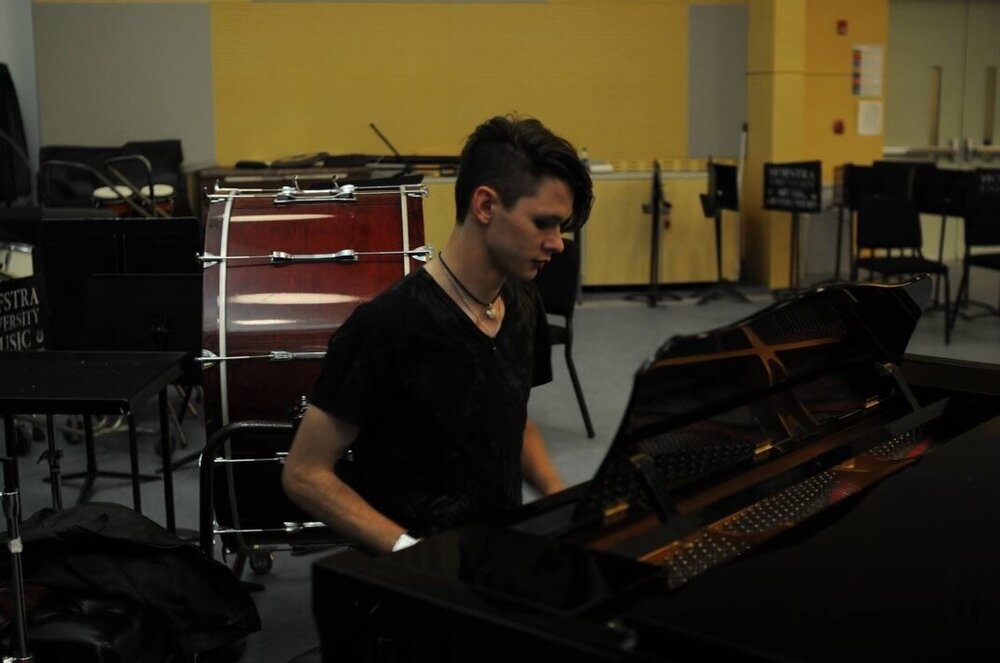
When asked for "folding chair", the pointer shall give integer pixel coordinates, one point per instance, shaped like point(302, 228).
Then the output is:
point(558, 283)
point(889, 243)
point(982, 229)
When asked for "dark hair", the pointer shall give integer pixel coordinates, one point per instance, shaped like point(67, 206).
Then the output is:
point(512, 155)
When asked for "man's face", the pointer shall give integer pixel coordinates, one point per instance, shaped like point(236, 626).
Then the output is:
point(523, 238)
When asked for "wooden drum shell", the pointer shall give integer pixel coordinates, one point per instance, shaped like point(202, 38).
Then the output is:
point(294, 307)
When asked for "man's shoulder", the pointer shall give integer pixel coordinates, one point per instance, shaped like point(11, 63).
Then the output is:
point(405, 291)
point(405, 295)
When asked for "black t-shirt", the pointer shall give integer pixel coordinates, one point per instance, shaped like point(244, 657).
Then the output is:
point(441, 406)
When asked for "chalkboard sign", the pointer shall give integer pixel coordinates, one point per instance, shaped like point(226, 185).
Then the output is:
point(793, 187)
point(988, 181)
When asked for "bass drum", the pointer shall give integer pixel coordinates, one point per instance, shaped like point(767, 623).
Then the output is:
point(282, 273)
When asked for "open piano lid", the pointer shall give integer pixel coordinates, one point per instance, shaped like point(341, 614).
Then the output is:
point(778, 396)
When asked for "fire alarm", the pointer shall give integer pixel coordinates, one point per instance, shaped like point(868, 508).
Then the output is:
point(841, 27)
point(838, 127)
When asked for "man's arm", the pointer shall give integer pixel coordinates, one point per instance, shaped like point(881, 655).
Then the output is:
point(535, 463)
point(310, 482)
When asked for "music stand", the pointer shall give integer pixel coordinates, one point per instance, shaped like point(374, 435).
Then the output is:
point(723, 193)
point(121, 285)
point(655, 206)
point(841, 176)
point(852, 184)
point(156, 312)
point(796, 188)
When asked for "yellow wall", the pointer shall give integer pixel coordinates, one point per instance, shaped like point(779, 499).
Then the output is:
point(828, 94)
point(616, 238)
point(302, 77)
point(610, 75)
point(798, 83)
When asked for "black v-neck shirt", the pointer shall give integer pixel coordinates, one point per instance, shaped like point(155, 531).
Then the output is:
point(441, 406)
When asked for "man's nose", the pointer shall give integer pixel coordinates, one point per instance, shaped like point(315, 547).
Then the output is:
point(555, 243)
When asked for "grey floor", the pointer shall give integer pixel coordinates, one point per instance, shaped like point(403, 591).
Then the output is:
point(613, 336)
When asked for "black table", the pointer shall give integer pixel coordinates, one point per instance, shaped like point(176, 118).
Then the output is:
point(92, 383)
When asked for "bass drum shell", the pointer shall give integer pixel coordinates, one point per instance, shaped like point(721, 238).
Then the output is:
point(252, 307)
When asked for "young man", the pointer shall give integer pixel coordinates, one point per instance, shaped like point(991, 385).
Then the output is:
point(428, 383)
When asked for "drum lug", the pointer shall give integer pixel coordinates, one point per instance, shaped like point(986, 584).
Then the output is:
point(207, 358)
point(299, 410)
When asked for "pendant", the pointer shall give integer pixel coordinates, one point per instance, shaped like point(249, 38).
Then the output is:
point(490, 313)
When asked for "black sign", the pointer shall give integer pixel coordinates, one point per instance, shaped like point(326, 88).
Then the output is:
point(793, 187)
point(988, 181)
point(21, 315)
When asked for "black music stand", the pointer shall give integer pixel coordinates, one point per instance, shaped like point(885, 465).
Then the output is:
point(852, 184)
point(70, 251)
point(154, 312)
point(841, 189)
point(122, 285)
point(93, 383)
point(723, 193)
point(793, 187)
point(656, 205)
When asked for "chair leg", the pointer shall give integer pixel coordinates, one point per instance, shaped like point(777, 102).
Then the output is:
point(963, 293)
point(957, 303)
point(577, 389)
point(947, 308)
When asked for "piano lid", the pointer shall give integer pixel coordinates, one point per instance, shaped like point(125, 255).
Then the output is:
point(710, 406)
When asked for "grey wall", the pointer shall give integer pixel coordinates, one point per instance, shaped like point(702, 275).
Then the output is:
point(717, 96)
point(112, 73)
point(960, 36)
point(18, 53)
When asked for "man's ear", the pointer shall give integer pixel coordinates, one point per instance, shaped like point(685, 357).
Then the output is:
point(485, 201)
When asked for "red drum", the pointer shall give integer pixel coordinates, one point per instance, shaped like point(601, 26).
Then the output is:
point(114, 199)
point(163, 198)
point(283, 270)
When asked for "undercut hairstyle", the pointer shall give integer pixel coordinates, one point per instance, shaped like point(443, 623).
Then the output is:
point(513, 155)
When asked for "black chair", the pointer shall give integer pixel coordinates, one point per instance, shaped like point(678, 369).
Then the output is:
point(558, 283)
point(889, 242)
point(982, 229)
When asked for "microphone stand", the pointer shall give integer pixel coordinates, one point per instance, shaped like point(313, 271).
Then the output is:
point(11, 511)
point(407, 167)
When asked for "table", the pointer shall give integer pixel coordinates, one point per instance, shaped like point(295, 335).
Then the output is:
point(92, 383)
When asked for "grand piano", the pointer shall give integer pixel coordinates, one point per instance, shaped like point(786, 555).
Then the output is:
point(790, 487)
